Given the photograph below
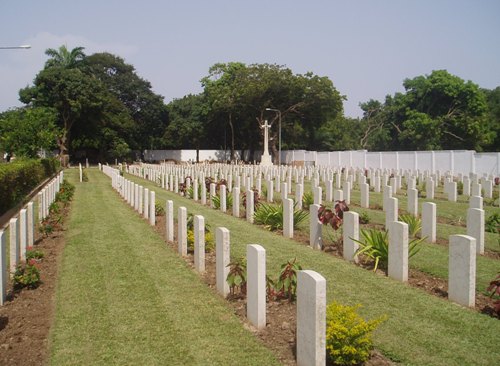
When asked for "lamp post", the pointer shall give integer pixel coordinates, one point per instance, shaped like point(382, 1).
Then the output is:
point(25, 47)
point(279, 132)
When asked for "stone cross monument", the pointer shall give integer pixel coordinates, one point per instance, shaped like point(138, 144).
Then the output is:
point(266, 158)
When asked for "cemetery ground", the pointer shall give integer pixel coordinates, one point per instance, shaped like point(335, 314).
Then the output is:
point(125, 297)
point(421, 329)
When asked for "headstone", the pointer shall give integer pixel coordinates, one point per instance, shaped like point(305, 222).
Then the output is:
point(452, 191)
point(222, 192)
point(270, 191)
point(203, 193)
point(299, 193)
point(329, 191)
point(387, 193)
point(350, 233)
point(347, 192)
point(31, 224)
point(169, 220)
point(476, 202)
point(284, 191)
point(14, 244)
point(4, 274)
point(466, 183)
point(140, 203)
point(376, 184)
point(338, 195)
point(413, 202)
point(462, 270)
point(288, 218)
point(23, 233)
point(398, 251)
point(196, 187)
point(182, 231)
point(475, 227)
point(391, 212)
point(199, 243)
point(476, 189)
point(318, 192)
point(256, 285)
point(429, 189)
point(365, 195)
point(429, 221)
point(311, 319)
point(236, 201)
point(249, 206)
point(315, 228)
point(222, 258)
point(152, 209)
point(145, 210)
point(213, 187)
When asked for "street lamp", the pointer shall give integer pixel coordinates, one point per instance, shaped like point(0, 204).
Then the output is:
point(279, 133)
point(24, 46)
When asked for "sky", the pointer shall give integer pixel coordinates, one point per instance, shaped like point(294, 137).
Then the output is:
point(366, 47)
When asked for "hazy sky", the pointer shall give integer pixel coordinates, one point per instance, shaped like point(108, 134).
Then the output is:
point(367, 48)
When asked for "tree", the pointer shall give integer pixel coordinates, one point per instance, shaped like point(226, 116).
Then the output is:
point(72, 93)
point(437, 111)
point(244, 93)
point(26, 131)
point(187, 119)
point(493, 102)
point(65, 58)
point(146, 108)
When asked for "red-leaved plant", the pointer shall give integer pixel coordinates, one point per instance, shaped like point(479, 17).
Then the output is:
point(335, 217)
point(493, 291)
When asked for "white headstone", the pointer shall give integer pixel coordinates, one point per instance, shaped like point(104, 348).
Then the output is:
point(311, 319)
point(398, 251)
point(182, 231)
point(4, 273)
point(475, 227)
point(222, 258)
point(462, 270)
point(350, 232)
point(429, 221)
point(288, 218)
point(199, 243)
point(315, 228)
point(256, 285)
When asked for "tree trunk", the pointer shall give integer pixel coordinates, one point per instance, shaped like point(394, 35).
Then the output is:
point(232, 135)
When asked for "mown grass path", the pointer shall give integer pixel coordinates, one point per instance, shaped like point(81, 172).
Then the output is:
point(421, 329)
point(124, 298)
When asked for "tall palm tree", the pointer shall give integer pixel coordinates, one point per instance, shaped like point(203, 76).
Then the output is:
point(64, 57)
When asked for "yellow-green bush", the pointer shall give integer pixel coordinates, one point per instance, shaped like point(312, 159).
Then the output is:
point(20, 177)
point(209, 241)
point(348, 335)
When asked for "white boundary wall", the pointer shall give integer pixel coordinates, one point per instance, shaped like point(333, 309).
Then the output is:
point(454, 161)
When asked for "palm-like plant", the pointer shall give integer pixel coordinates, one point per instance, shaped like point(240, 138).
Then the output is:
point(64, 57)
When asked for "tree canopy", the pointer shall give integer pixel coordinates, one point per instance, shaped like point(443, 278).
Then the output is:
point(97, 106)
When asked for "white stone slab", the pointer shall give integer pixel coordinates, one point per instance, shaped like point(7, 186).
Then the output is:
point(429, 221)
point(222, 258)
point(256, 285)
point(398, 251)
point(182, 231)
point(311, 319)
point(315, 228)
point(475, 227)
point(199, 243)
point(462, 270)
point(350, 232)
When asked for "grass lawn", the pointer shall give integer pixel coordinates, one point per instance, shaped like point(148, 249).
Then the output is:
point(421, 329)
point(125, 298)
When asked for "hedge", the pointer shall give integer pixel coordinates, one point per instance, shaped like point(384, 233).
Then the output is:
point(19, 177)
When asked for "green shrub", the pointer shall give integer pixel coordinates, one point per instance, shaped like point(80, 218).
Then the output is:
point(20, 177)
point(348, 335)
point(27, 275)
point(34, 254)
point(237, 276)
point(159, 210)
point(492, 223)
point(66, 191)
point(414, 224)
point(460, 188)
point(229, 201)
point(307, 200)
point(271, 216)
point(209, 241)
point(375, 245)
point(364, 218)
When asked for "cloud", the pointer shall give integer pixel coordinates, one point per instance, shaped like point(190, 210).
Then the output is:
point(18, 68)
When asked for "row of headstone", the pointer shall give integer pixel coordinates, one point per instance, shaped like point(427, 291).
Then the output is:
point(22, 232)
point(141, 199)
point(398, 231)
point(311, 286)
